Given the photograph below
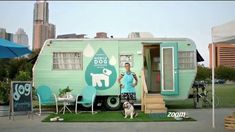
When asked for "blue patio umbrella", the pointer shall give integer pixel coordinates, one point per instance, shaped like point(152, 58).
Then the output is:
point(10, 49)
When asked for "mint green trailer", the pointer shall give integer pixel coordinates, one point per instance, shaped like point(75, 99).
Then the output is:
point(169, 65)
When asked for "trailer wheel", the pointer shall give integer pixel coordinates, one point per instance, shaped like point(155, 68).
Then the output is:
point(113, 103)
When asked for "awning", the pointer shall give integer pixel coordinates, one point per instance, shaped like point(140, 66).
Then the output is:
point(224, 33)
point(199, 57)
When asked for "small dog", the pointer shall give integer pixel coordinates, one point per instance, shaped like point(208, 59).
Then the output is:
point(129, 110)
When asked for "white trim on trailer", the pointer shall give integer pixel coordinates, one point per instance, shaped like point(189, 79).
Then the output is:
point(37, 60)
point(122, 39)
point(173, 70)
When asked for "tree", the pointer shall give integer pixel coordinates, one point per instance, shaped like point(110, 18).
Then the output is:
point(4, 92)
point(203, 72)
point(3, 65)
point(19, 69)
point(23, 76)
point(224, 72)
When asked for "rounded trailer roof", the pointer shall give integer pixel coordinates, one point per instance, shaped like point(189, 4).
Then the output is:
point(122, 39)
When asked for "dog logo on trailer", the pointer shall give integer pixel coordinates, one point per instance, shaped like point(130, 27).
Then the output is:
point(100, 73)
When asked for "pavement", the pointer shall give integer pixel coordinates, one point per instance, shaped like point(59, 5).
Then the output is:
point(21, 123)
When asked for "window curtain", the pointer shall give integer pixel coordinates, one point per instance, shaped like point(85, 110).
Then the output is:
point(148, 61)
point(67, 60)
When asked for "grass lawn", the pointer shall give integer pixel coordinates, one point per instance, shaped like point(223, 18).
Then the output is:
point(225, 93)
point(112, 116)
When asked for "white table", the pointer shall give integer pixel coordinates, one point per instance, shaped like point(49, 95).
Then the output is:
point(66, 102)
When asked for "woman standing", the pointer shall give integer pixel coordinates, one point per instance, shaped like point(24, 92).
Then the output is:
point(127, 85)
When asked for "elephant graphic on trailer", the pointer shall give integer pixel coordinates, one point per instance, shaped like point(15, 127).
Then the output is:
point(97, 78)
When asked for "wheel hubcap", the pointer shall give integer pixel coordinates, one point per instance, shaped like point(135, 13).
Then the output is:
point(113, 101)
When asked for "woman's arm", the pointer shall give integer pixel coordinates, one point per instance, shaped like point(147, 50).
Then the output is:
point(119, 80)
point(136, 79)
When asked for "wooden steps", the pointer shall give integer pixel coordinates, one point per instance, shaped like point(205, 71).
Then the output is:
point(155, 106)
point(229, 122)
point(151, 103)
point(154, 103)
point(156, 111)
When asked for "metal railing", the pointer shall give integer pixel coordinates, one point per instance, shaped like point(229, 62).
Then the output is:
point(144, 90)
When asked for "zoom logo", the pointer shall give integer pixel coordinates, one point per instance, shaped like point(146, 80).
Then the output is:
point(20, 89)
point(176, 114)
point(168, 115)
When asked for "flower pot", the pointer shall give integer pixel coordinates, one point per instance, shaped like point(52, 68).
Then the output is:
point(68, 94)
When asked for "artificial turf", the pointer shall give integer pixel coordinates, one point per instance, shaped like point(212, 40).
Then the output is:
point(113, 116)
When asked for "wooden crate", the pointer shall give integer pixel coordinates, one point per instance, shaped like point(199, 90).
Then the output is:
point(229, 122)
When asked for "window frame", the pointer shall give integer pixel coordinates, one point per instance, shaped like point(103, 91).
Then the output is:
point(126, 54)
point(192, 60)
point(162, 70)
point(81, 60)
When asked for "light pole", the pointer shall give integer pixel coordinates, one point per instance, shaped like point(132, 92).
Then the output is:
point(213, 79)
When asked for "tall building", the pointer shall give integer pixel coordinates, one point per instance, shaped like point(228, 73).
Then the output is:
point(224, 54)
point(41, 11)
point(42, 29)
point(9, 36)
point(51, 30)
point(21, 37)
point(5, 35)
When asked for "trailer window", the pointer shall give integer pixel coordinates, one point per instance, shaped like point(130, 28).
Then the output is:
point(67, 60)
point(126, 58)
point(186, 60)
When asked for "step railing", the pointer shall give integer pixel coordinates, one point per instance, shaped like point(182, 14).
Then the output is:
point(144, 85)
point(144, 90)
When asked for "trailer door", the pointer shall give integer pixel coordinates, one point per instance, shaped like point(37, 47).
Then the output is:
point(169, 69)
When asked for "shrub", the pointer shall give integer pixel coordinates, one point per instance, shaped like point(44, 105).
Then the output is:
point(224, 72)
point(4, 92)
point(23, 76)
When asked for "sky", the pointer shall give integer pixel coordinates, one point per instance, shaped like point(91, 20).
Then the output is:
point(188, 19)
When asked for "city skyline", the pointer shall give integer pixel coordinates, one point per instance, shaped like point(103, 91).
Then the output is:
point(163, 19)
point(20, 36)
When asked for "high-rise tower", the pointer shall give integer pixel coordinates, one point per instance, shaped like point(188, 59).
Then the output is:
point(21, 37)
point(42, 29)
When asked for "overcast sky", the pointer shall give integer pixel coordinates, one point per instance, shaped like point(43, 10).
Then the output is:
point(163, 19)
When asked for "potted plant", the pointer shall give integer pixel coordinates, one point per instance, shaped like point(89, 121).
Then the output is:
point(66, 92)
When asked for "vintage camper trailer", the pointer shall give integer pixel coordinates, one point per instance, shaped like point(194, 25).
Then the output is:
point(166, 67)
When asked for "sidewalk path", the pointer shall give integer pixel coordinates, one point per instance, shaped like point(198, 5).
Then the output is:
point(203, 124)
